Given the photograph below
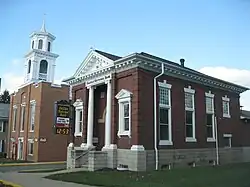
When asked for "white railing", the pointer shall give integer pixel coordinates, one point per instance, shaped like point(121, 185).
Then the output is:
point(42, 76)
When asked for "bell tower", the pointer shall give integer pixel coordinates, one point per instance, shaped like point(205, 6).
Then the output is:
point(40, 60)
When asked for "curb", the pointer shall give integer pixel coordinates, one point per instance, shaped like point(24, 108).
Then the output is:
point(40, 170)
point(31, 164)
point(10, 183)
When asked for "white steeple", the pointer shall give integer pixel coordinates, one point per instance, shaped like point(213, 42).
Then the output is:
point(43, 29)
point(40, 61)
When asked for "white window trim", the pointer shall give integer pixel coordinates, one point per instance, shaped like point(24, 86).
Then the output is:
point(22, 117)
point(78, 108)
point(2, 125)
point(124, 96)
point(191, 91)
point(30, 141)
point(230, 139)
point(210, 95)
point(226, 99)
point(1, 145)
point(168, 86)
point(14, 118)
point(32, 104)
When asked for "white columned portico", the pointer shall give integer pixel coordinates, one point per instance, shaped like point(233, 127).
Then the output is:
point(90, 117)
point(108, 115)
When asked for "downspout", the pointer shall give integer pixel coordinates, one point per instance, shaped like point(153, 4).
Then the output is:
point(155, 117)
point(217, 141)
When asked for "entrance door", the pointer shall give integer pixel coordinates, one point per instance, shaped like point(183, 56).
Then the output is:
point(99, 116)
point(20, 150)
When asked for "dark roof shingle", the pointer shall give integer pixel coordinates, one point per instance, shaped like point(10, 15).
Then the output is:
point(108, 55)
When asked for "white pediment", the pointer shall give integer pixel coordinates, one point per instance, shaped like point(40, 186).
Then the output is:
point(93, 62)
point(122, 94)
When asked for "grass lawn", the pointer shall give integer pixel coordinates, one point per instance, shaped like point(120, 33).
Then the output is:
point(236, 175)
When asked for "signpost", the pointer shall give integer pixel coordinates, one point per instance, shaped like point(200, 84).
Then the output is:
point(62, 117)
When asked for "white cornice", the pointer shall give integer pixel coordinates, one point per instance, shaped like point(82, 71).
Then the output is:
point(40, 52)
point(51, 36)
point(138, 60)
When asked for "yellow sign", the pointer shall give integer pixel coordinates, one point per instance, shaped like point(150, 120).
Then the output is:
point(63, 131)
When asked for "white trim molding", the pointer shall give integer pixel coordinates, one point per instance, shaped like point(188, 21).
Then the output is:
point(229, 136)
point(209, 104)
point(32, 115)
point(2, 126)
point(226, 107)
point(14, 118)
point(124, 98)
point(30, 141)
point(165, 105)
point(22, 122)
point(78, 117)
point(189, 94)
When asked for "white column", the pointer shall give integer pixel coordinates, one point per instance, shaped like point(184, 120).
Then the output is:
point(108, 116)
point(90, 117)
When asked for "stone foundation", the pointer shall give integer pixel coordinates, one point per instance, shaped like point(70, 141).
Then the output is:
point(138, 159)
point(197, 157)
point(97, 160)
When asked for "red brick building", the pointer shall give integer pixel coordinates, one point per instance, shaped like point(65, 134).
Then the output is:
point(31, 116)
point(150, 112)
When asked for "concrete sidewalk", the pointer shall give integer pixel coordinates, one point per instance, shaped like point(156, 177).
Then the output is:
point(35, 180)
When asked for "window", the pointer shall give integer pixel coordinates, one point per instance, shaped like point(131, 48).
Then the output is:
point(14, 118)
point(29, 66)
point(165, 134)
point(30, 146)
point(1, 146)
point(189, 114)
point(1, 126)
point(225, 107)
point(227, 140)
point(124, 101)
point(43, 67)
point(40, 44)
point(210, 126)
point(32, 115)
point(78, 117)
point(49, 46)
point(22, 117)
point(32, 44)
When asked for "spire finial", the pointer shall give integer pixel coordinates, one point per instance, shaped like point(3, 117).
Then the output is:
point(43, 29)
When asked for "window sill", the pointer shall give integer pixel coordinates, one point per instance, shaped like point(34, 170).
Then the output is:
point(31, 131)
point(165, 142)
point(22, 131)
point(226, 116)
point(191, 140)
point(30, 154)
point(124, 133)
point(211, 139)
point(78, 134)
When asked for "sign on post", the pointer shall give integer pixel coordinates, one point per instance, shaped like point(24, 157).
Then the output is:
point(62, 117)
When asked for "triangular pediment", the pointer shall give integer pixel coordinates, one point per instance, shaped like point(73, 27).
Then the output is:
point(93, 62)
point(123, 94)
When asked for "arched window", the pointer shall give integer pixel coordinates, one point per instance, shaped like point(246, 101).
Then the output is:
point(49, 46)
point(40, 44)
point(32, 44)
point(29, 66)
point(43, 67)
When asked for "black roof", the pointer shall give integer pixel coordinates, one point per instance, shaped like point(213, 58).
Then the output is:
point(108, 55)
